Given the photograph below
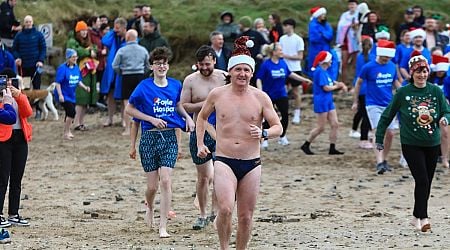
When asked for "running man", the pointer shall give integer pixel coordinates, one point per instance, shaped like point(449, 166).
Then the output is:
point(196, 88)
point(237, 169)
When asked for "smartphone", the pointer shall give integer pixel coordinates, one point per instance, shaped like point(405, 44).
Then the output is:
point(15, 82)
point(3, 80)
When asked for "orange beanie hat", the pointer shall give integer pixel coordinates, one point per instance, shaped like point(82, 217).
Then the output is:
point(81, 25)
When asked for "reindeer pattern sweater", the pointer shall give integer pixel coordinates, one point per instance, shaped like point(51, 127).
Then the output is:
point(420, 110)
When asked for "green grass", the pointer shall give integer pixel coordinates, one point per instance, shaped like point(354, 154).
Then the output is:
point(187, 23)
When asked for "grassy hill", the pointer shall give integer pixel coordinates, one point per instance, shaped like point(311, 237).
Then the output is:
point(187, 23)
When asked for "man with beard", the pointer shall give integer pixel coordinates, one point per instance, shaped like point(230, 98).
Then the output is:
point(196, 88)
point(152, 38)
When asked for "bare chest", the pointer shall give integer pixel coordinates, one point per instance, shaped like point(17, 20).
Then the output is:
point(234, 110)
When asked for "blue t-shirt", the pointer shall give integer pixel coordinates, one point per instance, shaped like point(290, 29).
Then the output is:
point(447, 86)
point(273, 77)
point(158, 102)
point(401, 51)
point(68, 78)
point(407, 55)
point(379, 79)
point(360, 62)
point(321, 78)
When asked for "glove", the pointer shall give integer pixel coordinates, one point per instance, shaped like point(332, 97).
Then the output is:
point(380, 146)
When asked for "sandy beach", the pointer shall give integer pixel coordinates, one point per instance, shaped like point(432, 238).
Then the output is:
point(88, 194)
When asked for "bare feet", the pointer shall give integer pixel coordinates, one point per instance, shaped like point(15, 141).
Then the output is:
point(215, 223)
point(171, 215)
point(426, 226)
point(68, 136)
point(107, 123)
point(149, 215)
point(445, 162)
point(163, 233)
point(415, 222)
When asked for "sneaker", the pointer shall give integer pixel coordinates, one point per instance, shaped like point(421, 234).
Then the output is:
point(4, 236)
point(3, 222)
point(18, 220)
point(265, 144)
point(296, 119)
point(403, 162)
point(354, 134)
point(365, 145)
point(200, 223)
point(387, 166)
point(381, 168)
point(211, 218)
point(283, 141)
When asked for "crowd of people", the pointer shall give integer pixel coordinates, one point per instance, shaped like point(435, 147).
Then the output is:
point(403, 83)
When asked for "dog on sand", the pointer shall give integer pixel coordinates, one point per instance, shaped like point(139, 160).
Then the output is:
point(45, 99)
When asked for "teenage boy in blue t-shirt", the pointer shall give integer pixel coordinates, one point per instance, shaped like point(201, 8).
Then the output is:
point(380, 77)
point(155, 105)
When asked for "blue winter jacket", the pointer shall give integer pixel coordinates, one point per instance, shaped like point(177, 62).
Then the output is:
point(110, 78)
point(29, 45)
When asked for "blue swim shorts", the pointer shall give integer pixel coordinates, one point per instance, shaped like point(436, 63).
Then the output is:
point(209, 142)
point(323, 106)
point(158, 149)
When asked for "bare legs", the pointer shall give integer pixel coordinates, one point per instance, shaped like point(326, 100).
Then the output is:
point(163, 177)
point(67, 134)
point(205, 174)
point(80, 114)
point(126, 119)
point(111, 109)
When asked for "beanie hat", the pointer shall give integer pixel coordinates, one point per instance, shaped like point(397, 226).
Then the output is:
point(417, 32)
point(70, 53)
point(386, 48)
point(317, 11)
point(416, 62)
point(81, 25)
point(246, 21)
point(383, 32)
point(241, 54)
point(439, 63)
point(322, 57)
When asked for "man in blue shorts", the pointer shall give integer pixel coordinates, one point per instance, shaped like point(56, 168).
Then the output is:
point(196, 88)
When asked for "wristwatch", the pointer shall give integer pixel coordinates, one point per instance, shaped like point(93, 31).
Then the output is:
point(264, 134)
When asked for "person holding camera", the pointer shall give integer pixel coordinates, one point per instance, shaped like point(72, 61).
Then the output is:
point(7, 113)
point(14, 152)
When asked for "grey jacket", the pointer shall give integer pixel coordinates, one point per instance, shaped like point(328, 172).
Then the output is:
point(131, 59)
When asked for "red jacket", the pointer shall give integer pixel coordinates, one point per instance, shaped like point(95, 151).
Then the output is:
point(25, 111)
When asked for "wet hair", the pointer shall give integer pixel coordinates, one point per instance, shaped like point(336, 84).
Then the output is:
point(204, 51)
point(160, 53)
point(366, 45)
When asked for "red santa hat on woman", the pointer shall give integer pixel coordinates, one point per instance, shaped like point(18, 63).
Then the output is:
point(440, 63)
point(386, 48)
point(322, 57)
point(414, 32)
point(317, 11)
point(241, 54)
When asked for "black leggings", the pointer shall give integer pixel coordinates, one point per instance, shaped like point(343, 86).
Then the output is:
point(13, 158)
point(422, 163)
point(282, 105)
point(361, 114)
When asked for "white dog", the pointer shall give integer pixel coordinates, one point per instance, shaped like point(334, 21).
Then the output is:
point(45, 99)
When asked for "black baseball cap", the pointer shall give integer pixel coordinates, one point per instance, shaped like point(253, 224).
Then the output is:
point(409, 11)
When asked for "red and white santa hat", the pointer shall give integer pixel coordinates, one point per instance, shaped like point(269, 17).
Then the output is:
point(439, 63)
point(386, 48)
point(414, 32)
point(241, 54)
point(317, 11)
point(322, 57)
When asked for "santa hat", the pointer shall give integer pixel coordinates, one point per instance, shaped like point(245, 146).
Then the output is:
point(241, 54)
point(417, 32)
point(322, 57)
point(383, 32)
point(416, 62)
point(440, 63)
point(386, 48)
point(317, 11)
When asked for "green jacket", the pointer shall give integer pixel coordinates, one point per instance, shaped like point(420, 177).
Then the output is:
point(82, 52)
point(151, 41)
point(420, 110)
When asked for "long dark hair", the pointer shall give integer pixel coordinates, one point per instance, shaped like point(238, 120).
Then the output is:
point(366, 47)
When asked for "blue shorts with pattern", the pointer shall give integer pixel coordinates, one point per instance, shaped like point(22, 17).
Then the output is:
point(158, 149)
point(209, 142)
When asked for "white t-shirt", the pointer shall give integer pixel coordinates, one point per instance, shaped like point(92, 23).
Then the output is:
point(291, 45)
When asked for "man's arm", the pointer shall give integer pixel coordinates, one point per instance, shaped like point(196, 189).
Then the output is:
point(299, 78)
point(117, 61)
point(186, 99)
point(356, 93)
point(299, 56)
point(202, 120)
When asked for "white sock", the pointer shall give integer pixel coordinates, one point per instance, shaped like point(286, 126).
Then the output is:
point(297, 112)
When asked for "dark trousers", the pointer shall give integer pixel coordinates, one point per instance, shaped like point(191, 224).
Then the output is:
point(36, 78)
point(422, 163)
point(282, 105)
point(13, 158)
point(361, 115)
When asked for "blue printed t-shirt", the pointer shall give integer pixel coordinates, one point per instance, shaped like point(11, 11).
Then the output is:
point(68, 78)
point(321, 79)
point(158, 102)
point(379, 79)
point(273, 77)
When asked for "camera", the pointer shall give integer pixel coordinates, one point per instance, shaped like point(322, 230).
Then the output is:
point(3, 81)
point(15, 82)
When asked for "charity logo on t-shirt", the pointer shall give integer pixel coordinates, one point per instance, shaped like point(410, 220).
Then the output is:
point(163, 108)
point(384, 79)
point(278, 73)
point(74, 80)
point(423, 110)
